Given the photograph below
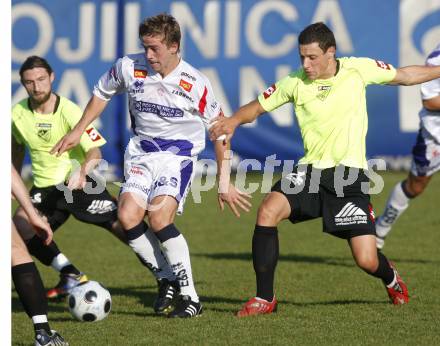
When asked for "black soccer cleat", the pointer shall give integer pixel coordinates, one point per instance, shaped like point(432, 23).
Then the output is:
point(168, 293)
point(186, 308)
point(42, 338)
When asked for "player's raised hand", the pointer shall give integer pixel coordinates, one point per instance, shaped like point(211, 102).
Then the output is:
point(66, 143)
point(222, 126)
point(41, 227)
point(235, 199)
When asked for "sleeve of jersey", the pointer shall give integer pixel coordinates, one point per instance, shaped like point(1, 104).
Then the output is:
point(278, 94)
point(91, 138)
point(16, 134)
point(375, 71)
point(111, 82)
point(208, 107)
point(431, 89)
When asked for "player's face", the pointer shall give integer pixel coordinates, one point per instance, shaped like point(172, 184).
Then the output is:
point(317, 64)
point(38, 84)
point(162, 58)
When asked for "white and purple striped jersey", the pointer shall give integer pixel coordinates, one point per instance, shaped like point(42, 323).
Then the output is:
point(430, 120)
point(168, 114)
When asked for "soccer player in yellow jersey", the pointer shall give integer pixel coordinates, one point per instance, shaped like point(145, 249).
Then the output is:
point(331, 180)
point(58, 191)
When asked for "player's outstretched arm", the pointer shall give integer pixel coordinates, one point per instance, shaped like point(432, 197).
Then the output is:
point(416, 74)
point(226, 191)
point(93, 110)
point(227, 125)
point(21, 194)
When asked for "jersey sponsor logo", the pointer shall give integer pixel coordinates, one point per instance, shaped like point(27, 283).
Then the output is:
point(162, 111)
point(187, 75)
point(383, 65)
point(269, 91)
point(182, 94)
point(136, 171)
point(140, 73)
point(185, 85)
point(93, 134)
point(350, 214)
point(101, 206)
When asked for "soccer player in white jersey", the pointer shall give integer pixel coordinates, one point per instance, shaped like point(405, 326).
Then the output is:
point(170, 104)
point(330, 106)
point(426, 156)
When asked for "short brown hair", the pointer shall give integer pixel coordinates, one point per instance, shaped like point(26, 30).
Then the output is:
point(320, 33)
point(34, 62)
point(162, 24)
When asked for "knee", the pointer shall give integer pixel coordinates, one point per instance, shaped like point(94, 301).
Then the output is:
point(159, 221)
point(129, 218)
point(367, 262)
point(416, 186)
point(268, 215)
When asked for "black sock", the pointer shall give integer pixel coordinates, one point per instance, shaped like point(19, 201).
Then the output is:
point(70, 269)
point(44, 253)
point(31, 292)
point(384, 271)
point(265, 252)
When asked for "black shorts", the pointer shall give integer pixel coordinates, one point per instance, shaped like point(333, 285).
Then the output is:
point(99, 209)
point(339, 195)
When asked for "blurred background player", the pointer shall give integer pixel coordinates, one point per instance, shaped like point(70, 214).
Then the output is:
point(27, 280)
point(38, 122)
point(330, 105)
point(170, 105)
point(426, 156)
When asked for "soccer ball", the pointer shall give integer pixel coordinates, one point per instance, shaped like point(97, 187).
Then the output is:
point(89, 301)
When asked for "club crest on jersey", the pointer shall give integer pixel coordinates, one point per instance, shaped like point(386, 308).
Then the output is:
point(140, 73)
point(43, 131)
point(185, 85)
point(323, 91)
point(269, 91)
point(383, 65)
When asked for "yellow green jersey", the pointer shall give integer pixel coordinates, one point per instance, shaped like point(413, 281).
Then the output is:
point(40, 132)
point(331, 113)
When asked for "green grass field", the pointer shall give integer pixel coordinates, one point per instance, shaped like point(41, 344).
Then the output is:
point(323, 297)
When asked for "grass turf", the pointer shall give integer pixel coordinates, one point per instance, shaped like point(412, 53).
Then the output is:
point(323, 297)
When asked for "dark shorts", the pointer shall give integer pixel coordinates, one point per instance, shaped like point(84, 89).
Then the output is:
point(335, 194)
point(99, 209)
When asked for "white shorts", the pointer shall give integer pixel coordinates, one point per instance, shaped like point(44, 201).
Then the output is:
point(426, 155)
point(159, 173)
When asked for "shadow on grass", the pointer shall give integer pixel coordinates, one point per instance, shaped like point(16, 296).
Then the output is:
point(335, 261)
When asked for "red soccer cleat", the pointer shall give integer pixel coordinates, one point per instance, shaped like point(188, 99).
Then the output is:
point(258, 306)
point(399, 292)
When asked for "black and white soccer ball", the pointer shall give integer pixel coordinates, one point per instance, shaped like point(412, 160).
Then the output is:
point(89, 301)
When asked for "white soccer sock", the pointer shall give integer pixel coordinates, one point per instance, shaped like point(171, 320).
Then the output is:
point(59, 262)
point(39, 319)
point(396, 205)
point(147, 247)
point(177, 252)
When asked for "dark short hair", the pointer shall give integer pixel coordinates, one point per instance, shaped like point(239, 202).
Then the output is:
point(33, 62)
point(162, 24)
point(320, 33)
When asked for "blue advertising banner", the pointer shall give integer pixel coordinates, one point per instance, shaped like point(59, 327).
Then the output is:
point(243, 47)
